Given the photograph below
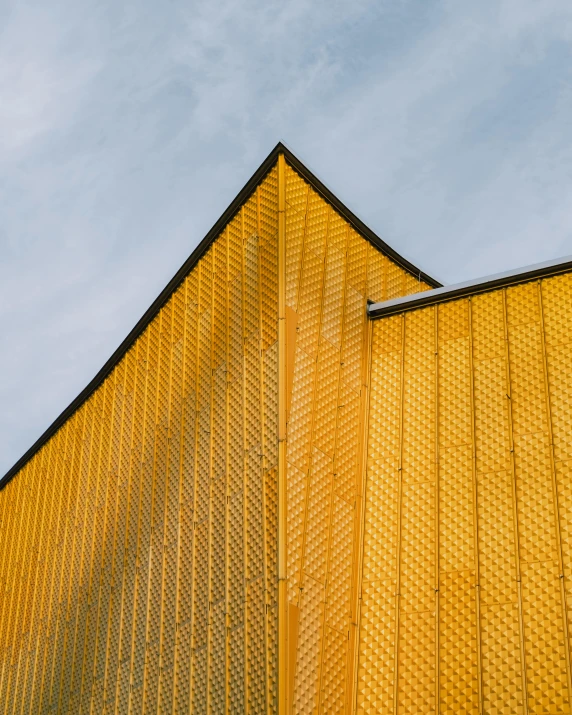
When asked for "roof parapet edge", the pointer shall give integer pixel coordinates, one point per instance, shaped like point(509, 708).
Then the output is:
point(460, 290)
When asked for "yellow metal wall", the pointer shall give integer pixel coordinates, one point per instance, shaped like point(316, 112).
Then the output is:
point(138, 546)
point(330, 273)
point(467, 547)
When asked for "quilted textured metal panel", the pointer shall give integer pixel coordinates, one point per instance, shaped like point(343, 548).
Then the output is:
point(331, 272)
point(138, 546)
point(467, 535)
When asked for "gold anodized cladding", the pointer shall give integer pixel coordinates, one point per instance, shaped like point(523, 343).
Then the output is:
point(138, 553)
point(275, 505)
point(187, 539)
point(465, 593)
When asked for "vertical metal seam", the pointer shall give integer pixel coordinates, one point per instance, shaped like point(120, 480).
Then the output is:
point(38, 579)
point(77, 537)
point(131, 478)
point(138, 473)
point(338, 397)
point(210, 537)
point(508, 379)
point(555, 499)
point(163, 561)
point(322, 645)
point(48, 570)
point(76, 662)
point(303, 242)
point(475, 510)
point(309, 473)
point(227, 622)
point(28, 488)
point(262, 457)
point(185, 289)
point(353, 664)
point(11, 567)
point(193, 548)
point(25, 578)
point(399, 519)
point(437, 515)
point(51, 621)
point(154, 481)
point(244, 469)
point(37, 670)
point(116, 521)
point(282, 493)
point(106, 517)
point(92, 589)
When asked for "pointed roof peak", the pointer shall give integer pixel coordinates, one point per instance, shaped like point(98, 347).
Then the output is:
point(362, 228)
point(233, 208)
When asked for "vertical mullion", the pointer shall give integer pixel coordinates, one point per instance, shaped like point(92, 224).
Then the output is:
point(475, 509)
point(140, 471)
point(92, 591)
point(83, 536)
point(154, 497)
point(47, 662)
point(35, 597)
point(515, 504)
point(164, 543)
point(192, 663)
point(101, 624)
point(131, 477)
point(27, 530)
point(244, 466)
point(555, 499)
point(399, 518)
point(437, 520)
point(353, 649)
point(116, 591)
point(227, 622)
point(78, 445)
point(67, 536)
point(263, 459)
point(211, 526)
point(19, 489)
point(197, 488)
point(282, 492)
point(184, 289)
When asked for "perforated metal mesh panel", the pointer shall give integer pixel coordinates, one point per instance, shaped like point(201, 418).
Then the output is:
point(467, 532)
point(138, 545)
point(331, 271)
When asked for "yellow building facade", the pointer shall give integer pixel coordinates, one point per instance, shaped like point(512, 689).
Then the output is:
point(309, 481)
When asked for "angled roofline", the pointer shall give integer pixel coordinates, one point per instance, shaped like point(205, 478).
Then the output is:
point(351, 218)
point(462, 290)
point(246, 191)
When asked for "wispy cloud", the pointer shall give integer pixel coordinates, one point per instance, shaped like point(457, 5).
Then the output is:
point(126, 129)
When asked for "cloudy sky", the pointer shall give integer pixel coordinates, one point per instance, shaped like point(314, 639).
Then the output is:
point(127, 128)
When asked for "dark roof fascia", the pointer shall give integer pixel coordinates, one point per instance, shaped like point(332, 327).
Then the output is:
point(468, 288)
point(247, 190)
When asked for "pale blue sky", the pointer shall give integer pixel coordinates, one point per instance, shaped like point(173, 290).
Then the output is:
point(127, 128)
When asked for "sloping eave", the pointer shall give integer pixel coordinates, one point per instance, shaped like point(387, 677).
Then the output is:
point(258, 176)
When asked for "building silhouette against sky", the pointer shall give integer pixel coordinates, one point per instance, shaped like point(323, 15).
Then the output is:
point(310, 480)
